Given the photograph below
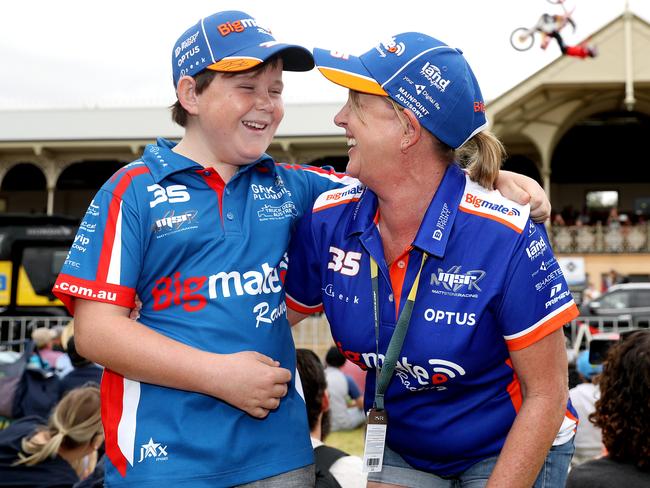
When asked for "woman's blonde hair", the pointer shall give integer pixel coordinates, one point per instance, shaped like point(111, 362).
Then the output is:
point(76, 421)
point(482, 156)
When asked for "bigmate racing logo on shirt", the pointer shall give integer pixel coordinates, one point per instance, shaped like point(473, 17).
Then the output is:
point(477, 202)
point(193, 292)
point(433, 376)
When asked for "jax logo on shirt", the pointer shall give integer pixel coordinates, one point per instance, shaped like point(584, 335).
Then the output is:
point(153, 450)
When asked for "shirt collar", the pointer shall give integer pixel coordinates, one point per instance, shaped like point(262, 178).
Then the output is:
point(162, 161)
point(434, 232)
point(433, 235)
point(364, 212)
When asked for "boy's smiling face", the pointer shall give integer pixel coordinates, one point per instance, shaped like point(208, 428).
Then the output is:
point(239, 114)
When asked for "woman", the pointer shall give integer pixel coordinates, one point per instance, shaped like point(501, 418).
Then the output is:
point(57, 454)
point(479, 390)
point(622, 414)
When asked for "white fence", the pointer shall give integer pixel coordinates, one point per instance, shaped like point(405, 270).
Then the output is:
point(15, 331)
point(314, 332)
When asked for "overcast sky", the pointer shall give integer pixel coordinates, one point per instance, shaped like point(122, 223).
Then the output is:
point(87, 53)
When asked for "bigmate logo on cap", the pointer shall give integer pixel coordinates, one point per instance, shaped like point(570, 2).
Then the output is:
point(232, 41)
point(420, 73)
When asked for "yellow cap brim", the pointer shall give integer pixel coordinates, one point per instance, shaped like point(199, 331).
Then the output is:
point(234, 64)
point(353, 81)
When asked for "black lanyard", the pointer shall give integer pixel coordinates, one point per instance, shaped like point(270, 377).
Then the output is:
point(385, 373)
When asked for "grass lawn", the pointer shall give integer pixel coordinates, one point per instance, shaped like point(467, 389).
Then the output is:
point(350, 441)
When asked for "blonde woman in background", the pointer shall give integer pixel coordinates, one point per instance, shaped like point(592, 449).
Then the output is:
point(57, 454)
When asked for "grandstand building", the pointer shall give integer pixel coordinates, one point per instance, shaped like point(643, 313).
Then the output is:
point(577, 126)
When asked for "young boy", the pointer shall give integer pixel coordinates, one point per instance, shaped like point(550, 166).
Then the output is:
point(199, 391)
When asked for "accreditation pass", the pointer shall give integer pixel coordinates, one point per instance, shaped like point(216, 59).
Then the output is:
point(373, 453)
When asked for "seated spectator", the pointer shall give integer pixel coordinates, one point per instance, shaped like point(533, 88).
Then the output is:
point(346, 407)
point(345, 470)
point(588, 440)
point(63, 364)
point(33, 454)
point(84, 371)
point(43, 339)
point(96, 478)
point(356, 374)
point(57, 342)
point(622, 414)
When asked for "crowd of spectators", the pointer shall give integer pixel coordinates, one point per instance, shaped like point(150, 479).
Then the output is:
point(59, 443)
point(612, 218)
point(612, 442)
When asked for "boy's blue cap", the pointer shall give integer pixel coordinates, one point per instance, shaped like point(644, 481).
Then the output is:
point(232, 41)
point(420, 73)
point(585, 368)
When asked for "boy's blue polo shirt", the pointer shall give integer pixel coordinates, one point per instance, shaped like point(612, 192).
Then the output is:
point(208, 262)
point(490, 285)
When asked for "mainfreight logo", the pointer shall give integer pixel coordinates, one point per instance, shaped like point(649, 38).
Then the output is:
point(453, 281)
point(536, 248)
point(497, 207)
point(433, 74)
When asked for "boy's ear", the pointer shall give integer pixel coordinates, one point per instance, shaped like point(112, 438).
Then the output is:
point(187, 96)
